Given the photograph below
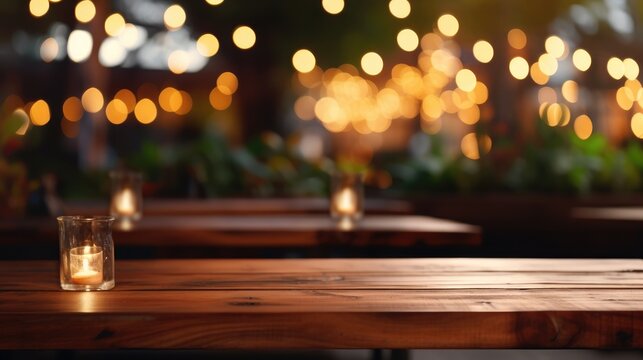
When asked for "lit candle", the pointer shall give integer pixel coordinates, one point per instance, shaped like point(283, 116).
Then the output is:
point(86, 265)
point(125, 202)
point(346, 202)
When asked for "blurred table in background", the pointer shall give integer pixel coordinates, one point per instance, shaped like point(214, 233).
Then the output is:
point(199, 235)
point(238, 206)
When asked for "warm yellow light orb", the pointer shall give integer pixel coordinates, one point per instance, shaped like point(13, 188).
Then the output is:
point(399, 8)
point(92, 100)
point(333, 6)
point(517, 39)
point(244, 37)
point(303, 60)
point(114, 24)
point(85, 11)
point(582, 59)
point(448, 25)
point(145, 111)
point(207, 45)
point(227, 83)
point(116, 111)
point(483, 51)
point(174, 17)
point(615, 68)
point(372, 63)
point(519, 67)
point(39, 113)
point(38, 8)
point(583, 127)
point(408, 40)
point(466, 80)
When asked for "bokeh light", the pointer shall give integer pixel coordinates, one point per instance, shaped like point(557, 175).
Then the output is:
point(637, 125)
point(517, 39)
point(178, 61)
point(408, 40)
point(39, 113)
point(519, 68)
point(92, 100)
point(372, 63)
point(114, 24)
point(145, 111)
point(399, 8)
point(537, 75)
point(466, 80)
point(615, 68)
point(214, 2)
point(127, 97)
point(583, 127)
point(170, 99)
point(244, 37)
point(448, 25)
point(569, 90)
point(49, 49)
point(72, 109)
point(174, 17)
point(333, 6)
point(38, 8)
point(303, 60)
point(227, 83)
point(116, 112)
point(186, 103)
point(79, 45)
point(483, 51)
point(548, 64)
point(555, 46)
point(219, 100)
point(582, 59)
point(207, 45)
point(305, 107)
point(85, 11)
point(630, 68)
point(22, 116)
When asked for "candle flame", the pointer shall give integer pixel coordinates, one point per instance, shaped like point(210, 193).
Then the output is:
point(346, 201)
point(125, 201)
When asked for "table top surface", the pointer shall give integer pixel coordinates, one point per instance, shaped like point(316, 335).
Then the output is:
point(620, 213)
point(267, 230)
point(331, 303)
point(237, 206)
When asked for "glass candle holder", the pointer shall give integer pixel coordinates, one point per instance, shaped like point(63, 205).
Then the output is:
point(86, 252)
point(347, 196)
point(127, 198)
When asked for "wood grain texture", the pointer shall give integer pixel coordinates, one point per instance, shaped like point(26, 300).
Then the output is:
point(330, 303)
point(265, 231)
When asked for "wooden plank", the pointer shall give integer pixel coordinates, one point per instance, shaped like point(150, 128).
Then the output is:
point(609, 213)
point(334, 303)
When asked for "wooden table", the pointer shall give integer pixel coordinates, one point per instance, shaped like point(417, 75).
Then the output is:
point(621, 213)
point(263, 231)
point(331, 303)
point(238, 206)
